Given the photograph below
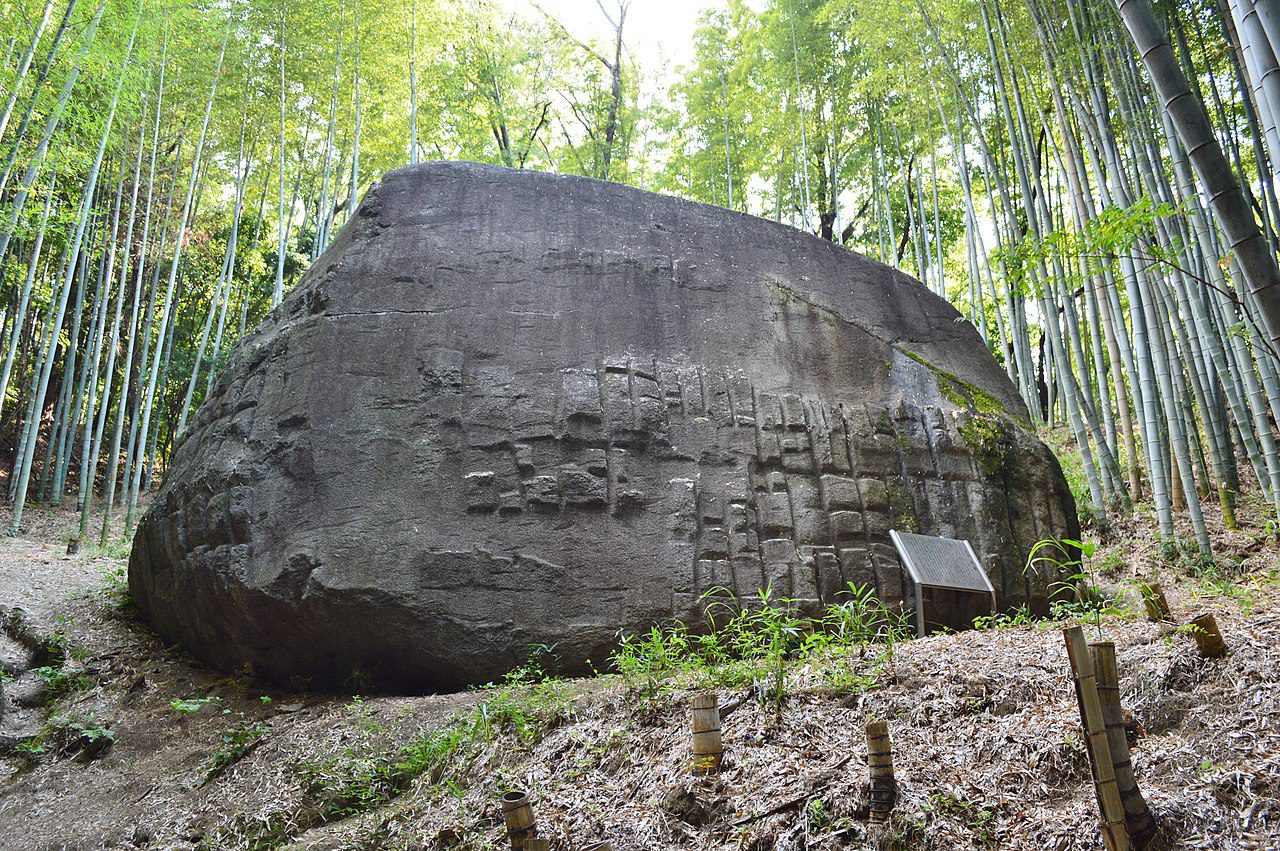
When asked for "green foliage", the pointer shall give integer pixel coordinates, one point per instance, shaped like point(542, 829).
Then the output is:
point(366, 773)
point(761, 642)
point(651, 659)
point(816, 816)
point(979, 820)
point(1114, 232)
point(114, 591)
point(1074, 593)
point(1185, 556)
point(1062, 555)
point(1020, 616)
point(237, 743)
point(58, 649)
point(192, 705)
point(525, 709)
point(362, 778)
point(68, 734)
point(61, 681)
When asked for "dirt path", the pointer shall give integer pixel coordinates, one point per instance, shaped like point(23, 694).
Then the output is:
point(150, 789)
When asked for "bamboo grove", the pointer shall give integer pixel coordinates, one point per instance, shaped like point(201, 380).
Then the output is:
point(1090, 181)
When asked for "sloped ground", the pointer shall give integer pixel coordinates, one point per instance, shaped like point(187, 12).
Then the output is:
point(986, 736)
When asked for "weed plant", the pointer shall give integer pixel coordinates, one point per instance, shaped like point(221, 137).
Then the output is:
point(759, 644)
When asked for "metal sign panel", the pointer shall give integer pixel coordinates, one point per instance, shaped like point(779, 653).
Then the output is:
point(940, 563)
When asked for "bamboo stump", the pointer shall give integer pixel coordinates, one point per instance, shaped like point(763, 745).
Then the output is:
point(1137, 815)
point(708, 748)
point(1208, 638)
point(1114, 831)
point(517, 813)
point(535, 844)
point(883, 789)
point(1155, 602)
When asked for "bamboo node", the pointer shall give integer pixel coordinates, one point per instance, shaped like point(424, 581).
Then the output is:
point(883, 788)
point(708, 747)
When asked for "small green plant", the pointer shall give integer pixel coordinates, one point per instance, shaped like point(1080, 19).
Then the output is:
point(861, 618)
point(1184, 555)
point(816, 815)
point(237, 743)
point(85, 735)
point(1111, 563)
point(32, 749)
point(1246, 595)
point(191, 705)
point(1077, 593)
point(58, 648)
point(1019, 616)
point(96, 732)
point(526, 709)
point(114, 591)
point(60, 681)
point(652, 657)
point(979, 820)
point(760, 643)
point(363, 778)
point(1171, 635)
point(772, 633)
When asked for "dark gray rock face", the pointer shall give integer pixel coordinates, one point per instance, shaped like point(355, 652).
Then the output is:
point(509, 408)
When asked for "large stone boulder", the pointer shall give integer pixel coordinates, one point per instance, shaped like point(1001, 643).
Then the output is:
point(509, 409)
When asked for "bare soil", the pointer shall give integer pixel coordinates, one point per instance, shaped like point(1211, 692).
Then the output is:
point(986, 736)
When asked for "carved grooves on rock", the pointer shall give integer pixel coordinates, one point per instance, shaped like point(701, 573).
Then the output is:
point(785, 492)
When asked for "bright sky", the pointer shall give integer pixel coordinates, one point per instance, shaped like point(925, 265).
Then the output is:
point(655, 29)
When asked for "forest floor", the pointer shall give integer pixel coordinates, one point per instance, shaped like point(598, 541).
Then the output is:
point(115, 740)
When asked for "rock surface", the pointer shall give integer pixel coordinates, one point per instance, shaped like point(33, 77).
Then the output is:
point(509, 409)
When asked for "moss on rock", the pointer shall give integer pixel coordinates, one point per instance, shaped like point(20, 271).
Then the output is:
point(992, 441)
point(959, 392)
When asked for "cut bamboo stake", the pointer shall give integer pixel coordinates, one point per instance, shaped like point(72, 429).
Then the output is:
point(1156, 603)
point(534, 844)
point(598, 846)
point(1104, 774)
point(1208, 638)
point(880, 767)
point(517, 813)
point(708, 749)
point(1137, 815)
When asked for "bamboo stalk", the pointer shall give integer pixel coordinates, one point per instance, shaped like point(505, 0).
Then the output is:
point(517, 814)
point(884, 789)
point(708, 748)
point(1104, 776)
point(1137, 815)
point(1155, 602)
point(1208, 637)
